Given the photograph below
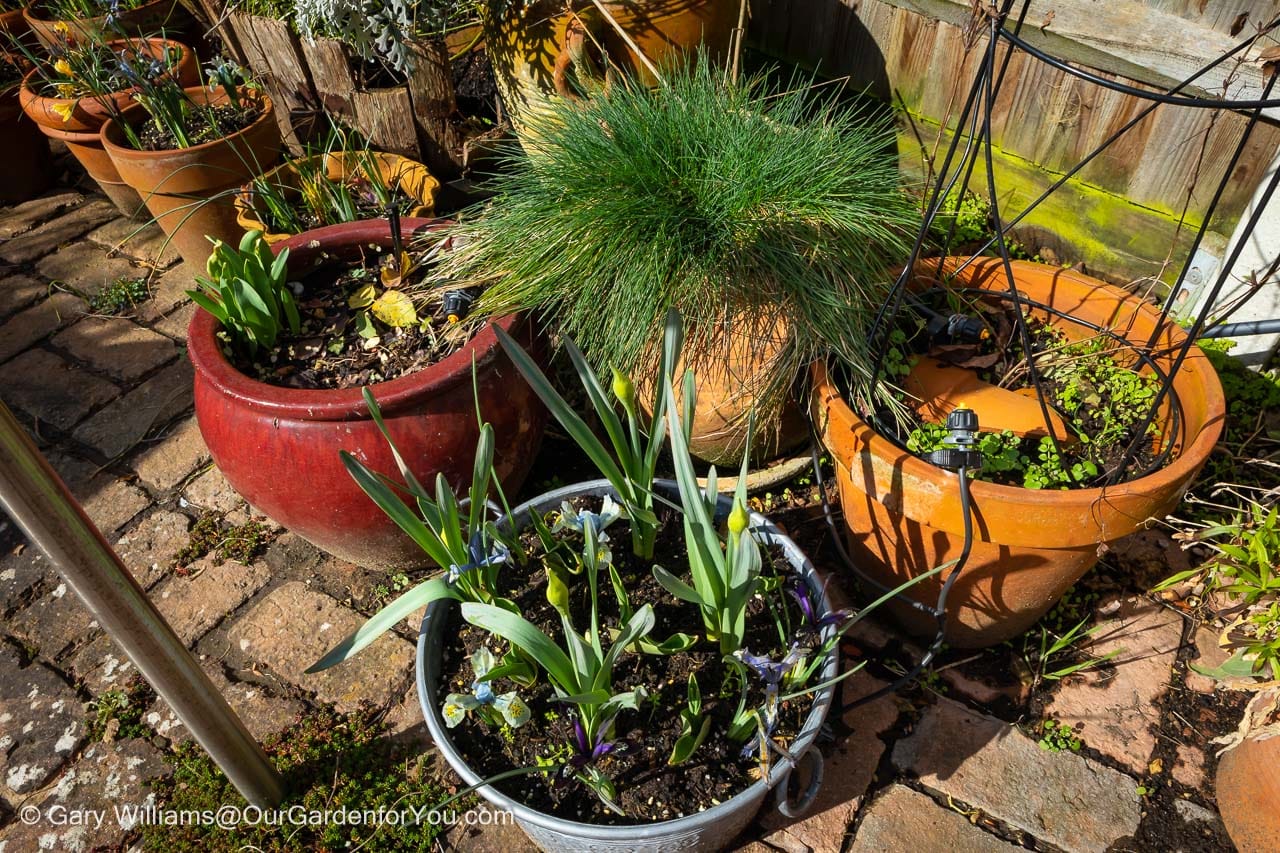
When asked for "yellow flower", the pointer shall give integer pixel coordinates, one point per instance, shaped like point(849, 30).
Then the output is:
point(62, 67)
point(61, 28)
point(65, 109)
point(65, 90)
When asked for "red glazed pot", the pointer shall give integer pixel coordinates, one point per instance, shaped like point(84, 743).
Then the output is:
point(278, 447)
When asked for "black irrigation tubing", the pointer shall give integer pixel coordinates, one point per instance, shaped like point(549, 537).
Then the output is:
point(938, 611)
point(1110, 140)
point(1020, 319)
point(1146, 359)
point(972, 161)
point(893, 301)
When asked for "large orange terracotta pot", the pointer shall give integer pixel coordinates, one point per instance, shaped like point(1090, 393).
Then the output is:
point(13, 24)
point(190, 191)
point(80, 131)
point(904, 516)
point(531, 50)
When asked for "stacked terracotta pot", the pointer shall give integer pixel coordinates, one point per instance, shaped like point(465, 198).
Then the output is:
point(77, 122)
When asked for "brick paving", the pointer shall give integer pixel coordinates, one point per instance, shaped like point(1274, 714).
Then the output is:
point(109, 401)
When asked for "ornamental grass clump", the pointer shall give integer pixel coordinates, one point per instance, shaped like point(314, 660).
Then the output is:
point(773, 212)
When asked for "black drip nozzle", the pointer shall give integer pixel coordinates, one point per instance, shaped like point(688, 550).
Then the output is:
point(957, 328)
point(457, 303)
point(961, 450)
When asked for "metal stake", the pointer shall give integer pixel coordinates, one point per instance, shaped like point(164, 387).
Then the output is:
point(36, 498)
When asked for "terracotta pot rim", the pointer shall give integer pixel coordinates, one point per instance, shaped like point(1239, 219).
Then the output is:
point(111, 129)
point(29, 13)
point(327, 404)
point(1193, 454)
point(88, 117)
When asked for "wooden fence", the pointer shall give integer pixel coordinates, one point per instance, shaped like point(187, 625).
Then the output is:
point(914, 52)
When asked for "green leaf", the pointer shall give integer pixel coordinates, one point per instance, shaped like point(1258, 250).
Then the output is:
point(1233, 667)
point(390, 503)
point(481, 473)
point(594, 697)
point(563, 412)
point(640, 624)
point(688, 742)
point(215, 308)
point(603, 408)
point(676, 643)
point(677, 587)
point(521, 632)
point(375, 412)
point(384, 620)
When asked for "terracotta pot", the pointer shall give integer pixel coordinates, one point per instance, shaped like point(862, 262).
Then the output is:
point(169, 16)
point(13, 24)
point(727, 382)
point(278, 447)
point(412, 178)
point(904, 515)
point(190, 191)
point(28, 166)
point(80, 131)
point(1248, 792)
point(530, 51)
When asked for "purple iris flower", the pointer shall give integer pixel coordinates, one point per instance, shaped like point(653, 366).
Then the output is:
point(587, 751)
point(479, 559)
point(771, 673)
point(800, 592)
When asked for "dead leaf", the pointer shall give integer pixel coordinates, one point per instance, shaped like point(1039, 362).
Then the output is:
point(1238, 24)
point(1271, 54)
point(395, 308)
point(1048, 19)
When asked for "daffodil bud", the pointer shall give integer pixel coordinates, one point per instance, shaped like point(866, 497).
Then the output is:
point(624, 389)
point(738, 519)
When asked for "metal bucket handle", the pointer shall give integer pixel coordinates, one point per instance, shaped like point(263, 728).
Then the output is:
point(795, 810)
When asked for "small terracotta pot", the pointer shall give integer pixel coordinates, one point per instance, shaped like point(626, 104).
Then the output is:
point(1248, 792)
point(81, 130)
point(190, 191)
point(13, 24)
point(278, 447)
point(24, 153)
point(412, 178)
point(169, 16)
point(904, 516)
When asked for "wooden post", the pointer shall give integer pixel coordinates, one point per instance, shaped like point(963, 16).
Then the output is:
point(435, 110)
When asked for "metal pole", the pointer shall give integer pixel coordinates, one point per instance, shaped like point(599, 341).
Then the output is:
point(37, 499)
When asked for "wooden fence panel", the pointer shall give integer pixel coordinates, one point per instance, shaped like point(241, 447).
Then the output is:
point(1042, 115)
